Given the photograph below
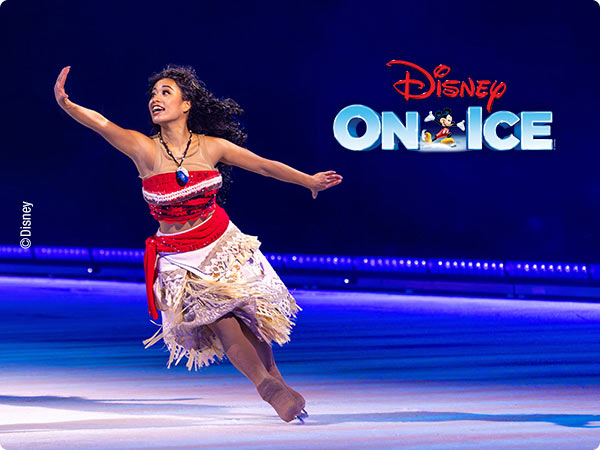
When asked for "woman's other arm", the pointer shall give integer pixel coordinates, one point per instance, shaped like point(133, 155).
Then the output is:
point(234, 155)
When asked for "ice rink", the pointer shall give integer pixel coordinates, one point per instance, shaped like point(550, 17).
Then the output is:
point(377, 371)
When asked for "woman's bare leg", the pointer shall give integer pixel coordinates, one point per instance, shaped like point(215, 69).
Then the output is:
point(244, 357)
point(237, 348)
point(265, 352)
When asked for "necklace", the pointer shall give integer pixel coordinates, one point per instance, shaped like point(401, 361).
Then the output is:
point(183, 175)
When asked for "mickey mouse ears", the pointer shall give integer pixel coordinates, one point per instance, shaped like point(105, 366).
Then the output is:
point(443, 113)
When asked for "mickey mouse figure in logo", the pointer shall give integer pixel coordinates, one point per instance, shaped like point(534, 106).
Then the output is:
point(443, 119)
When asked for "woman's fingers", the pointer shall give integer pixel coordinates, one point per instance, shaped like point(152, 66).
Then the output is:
point(62, 76)
point(59, 90)
point(325, 180)
point(334, 178)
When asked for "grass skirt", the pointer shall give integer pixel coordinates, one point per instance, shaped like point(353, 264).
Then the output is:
point(230, 275)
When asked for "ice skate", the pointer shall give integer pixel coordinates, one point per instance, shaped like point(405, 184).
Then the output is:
point(274, 392)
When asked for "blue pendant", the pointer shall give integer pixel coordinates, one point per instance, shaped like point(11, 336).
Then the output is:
point(183, 176)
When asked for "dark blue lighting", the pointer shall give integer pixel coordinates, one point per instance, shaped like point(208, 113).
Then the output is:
point(274, 259)
point(547, 270)
point(62, 253)
point(117, 255)
point(317, 262)
point(383, 264)
point(332, 263)
point(594, 271)
point(15, 252)
point(469, 267)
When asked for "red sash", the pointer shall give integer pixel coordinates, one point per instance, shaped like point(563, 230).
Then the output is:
point(199, 237)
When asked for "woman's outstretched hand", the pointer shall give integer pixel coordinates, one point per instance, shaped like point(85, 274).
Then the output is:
point(59, 87)
point(324, 180)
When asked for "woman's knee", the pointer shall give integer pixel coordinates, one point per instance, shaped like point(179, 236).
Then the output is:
point(226, 328)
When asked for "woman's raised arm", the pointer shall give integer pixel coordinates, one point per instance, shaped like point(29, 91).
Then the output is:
point(130, 142)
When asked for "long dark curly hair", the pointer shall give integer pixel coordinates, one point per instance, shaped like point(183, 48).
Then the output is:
point(208, 115)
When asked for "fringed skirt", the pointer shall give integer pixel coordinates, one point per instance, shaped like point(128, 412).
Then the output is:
point(196, 288)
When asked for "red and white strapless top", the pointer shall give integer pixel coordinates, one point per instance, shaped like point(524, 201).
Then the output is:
point(170, 202)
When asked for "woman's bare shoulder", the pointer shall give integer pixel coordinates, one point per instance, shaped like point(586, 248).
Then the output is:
point(211, 140)
point(216, 142)
point(214, 146)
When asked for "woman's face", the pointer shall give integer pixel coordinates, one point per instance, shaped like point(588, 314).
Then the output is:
point(165, 102)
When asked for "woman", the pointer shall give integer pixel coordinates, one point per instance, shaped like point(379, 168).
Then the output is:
point(216, 291)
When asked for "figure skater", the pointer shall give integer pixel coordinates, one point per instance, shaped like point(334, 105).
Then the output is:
point(444, 120)
point(217, 293)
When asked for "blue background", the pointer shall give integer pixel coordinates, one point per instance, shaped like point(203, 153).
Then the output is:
point(292, 67)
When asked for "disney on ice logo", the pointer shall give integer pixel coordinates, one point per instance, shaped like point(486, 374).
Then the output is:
point(528, 130)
